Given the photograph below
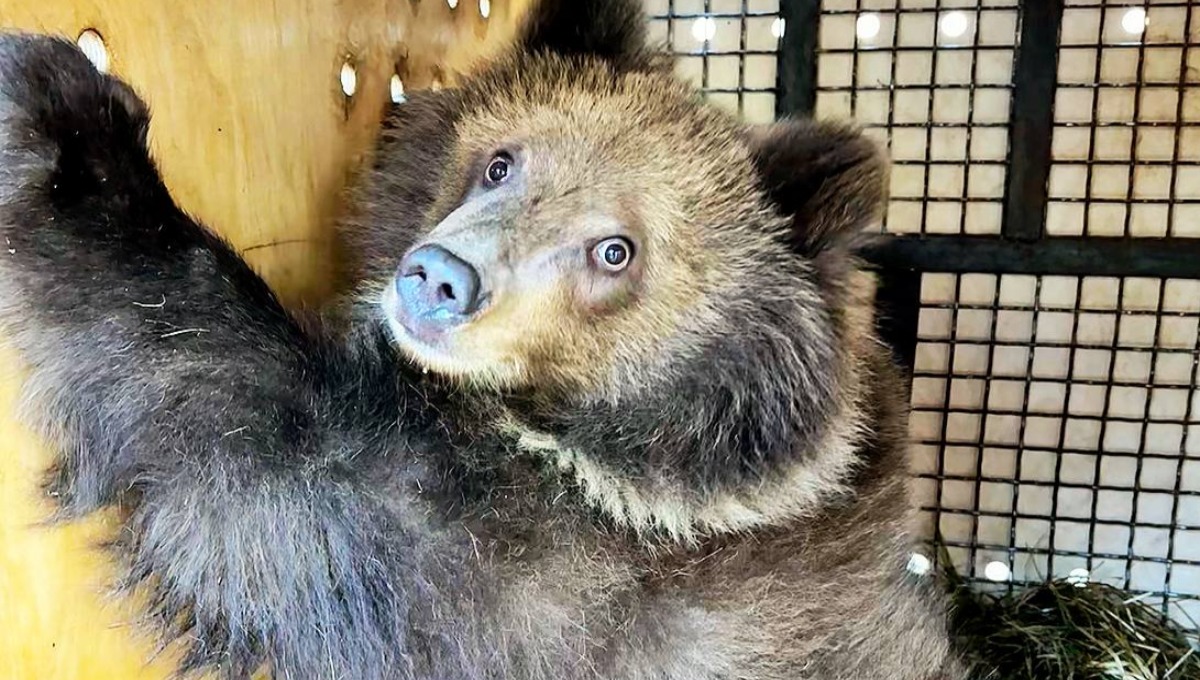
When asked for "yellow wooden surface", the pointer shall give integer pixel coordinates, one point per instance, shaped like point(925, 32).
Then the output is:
point(255, 137)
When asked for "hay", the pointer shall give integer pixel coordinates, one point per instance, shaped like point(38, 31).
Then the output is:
point(1062, 630)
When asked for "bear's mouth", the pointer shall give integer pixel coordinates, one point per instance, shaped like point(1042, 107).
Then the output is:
point(431, 343)
point(407, 330)
point(455, 351)
point(429, 325)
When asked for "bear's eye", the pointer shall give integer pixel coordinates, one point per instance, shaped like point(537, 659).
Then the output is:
point(498, 170)
point(613, 254)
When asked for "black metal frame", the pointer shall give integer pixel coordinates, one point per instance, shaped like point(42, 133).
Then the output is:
point(1022, 247)
point(1026, 198)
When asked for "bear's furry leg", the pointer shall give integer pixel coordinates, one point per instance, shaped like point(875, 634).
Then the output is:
point(166, 370)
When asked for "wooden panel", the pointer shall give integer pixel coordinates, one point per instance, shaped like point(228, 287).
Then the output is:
point(255, 137)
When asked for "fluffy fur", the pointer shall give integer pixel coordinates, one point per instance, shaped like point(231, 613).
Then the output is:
point(715, 489)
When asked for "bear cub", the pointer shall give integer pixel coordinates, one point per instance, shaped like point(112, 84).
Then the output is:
point(606, 402)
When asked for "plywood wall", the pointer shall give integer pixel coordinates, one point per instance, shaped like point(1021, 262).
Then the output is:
point(255, 137)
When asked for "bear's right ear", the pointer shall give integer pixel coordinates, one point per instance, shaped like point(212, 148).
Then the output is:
point(827, 177)
point(613, 30)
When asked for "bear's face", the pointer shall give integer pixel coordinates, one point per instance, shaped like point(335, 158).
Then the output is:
point(587, 223)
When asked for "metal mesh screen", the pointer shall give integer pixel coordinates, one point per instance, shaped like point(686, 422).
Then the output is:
point(1056, 424)
point(932, 80)
point(1127, 121)
point(728, 48)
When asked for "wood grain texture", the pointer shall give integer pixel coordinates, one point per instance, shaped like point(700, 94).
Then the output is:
point(255, 137)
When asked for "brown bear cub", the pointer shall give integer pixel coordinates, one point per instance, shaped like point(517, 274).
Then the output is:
point(608, 403)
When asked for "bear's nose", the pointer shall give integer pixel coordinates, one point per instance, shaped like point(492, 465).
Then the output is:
point(435, 283)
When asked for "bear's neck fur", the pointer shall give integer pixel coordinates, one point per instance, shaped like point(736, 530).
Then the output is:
point(754, 428)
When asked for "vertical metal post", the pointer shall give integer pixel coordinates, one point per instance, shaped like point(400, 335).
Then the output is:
point(1032, 124)
point(898, 311)
point(797, 73)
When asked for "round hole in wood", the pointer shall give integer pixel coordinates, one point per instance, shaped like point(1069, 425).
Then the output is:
point(94, 49)
point(349, 78)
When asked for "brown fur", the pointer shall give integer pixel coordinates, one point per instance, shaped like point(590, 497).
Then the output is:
point(694, 469)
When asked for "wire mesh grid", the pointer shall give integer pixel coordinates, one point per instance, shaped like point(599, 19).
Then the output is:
point(1056, 424)
point(727, 48)
point(1126, 145)
point(931, 79)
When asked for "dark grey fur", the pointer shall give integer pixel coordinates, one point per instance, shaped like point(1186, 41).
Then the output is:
point(310, 500)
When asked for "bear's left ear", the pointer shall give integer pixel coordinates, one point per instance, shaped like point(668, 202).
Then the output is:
point(829, 178)
point(613, 30)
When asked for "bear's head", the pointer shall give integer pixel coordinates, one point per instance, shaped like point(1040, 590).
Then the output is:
point(662, 292)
